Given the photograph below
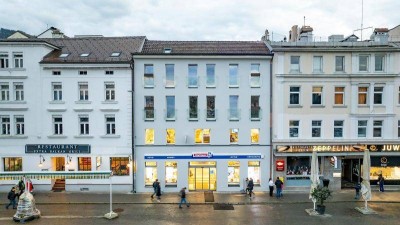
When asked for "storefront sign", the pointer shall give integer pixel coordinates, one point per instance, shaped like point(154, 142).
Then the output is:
point(280, 165)
point(320, 148)
point(202, 155)
point(57, 149)
point(384, 148)
point(212, 156)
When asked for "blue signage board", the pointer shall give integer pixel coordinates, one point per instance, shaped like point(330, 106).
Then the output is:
point(57, 149)
point(205, 157)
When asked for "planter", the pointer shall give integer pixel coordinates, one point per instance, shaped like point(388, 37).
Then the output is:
point(325, 182)
point(320, 209)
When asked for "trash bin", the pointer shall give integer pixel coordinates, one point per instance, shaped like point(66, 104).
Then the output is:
point(325, 182)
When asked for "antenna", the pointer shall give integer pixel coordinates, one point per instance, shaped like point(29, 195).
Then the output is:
point(304, 21)
point(362, 16)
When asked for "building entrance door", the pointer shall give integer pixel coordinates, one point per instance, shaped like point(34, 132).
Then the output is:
point(351, 169)
point(59, 163)
point(202, 176)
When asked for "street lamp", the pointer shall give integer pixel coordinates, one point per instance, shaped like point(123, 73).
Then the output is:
point(41, 161)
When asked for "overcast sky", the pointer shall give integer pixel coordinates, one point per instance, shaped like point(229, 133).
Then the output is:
point(198, 19)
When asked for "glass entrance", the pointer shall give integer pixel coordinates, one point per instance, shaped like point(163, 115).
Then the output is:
point(59, 163)
point(202, 176)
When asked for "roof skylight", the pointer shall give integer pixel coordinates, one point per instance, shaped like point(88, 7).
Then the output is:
point(64, 55)
point(115, 54)
point(85, 54)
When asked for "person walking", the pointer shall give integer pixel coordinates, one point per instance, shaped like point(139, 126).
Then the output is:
point(271, 187)
point(155, 183)
point(11, 197)
point(357, 187)
point(250, 186)
point(278, 184)
point(158, 191)
point(381, 182)
point(182, 193)
point(246, 188)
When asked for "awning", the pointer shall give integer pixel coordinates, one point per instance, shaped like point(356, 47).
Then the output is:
point(56, 175)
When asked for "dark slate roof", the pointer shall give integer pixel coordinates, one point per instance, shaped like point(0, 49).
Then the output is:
point(4, 33)
point(205, 48)
point(99, 49)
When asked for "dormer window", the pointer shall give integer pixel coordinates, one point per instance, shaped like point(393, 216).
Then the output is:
point(115, 54)
point(64, 55)
point(167, 50)
point(84, 54)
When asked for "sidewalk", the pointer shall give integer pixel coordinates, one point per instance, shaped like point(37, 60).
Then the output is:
point(198, 198)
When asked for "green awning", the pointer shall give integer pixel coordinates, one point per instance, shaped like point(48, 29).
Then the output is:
point(56, 175)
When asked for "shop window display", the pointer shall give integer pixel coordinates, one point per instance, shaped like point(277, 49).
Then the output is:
point(171, 174)
point(150, 173)
point(119, 166)
point(254, 171)
point(298, 166)
point(233, 173)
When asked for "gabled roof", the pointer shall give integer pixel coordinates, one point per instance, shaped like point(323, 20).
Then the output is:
point(20, 34)
point(98, 48)
point(205, 48)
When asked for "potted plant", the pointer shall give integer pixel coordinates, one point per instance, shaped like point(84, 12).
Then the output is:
point(321, 194)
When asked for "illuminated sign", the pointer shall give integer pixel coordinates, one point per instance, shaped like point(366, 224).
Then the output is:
point(202, 155)
point(337, 148)
point(280, 165)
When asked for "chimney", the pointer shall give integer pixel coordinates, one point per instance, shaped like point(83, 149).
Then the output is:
point(380, 35)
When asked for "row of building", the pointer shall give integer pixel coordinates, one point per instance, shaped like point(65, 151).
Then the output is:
point(204, 115)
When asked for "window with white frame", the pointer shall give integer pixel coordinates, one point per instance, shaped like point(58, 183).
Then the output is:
point(294, 95)
point(110, 91)
point(110, 124)
point(193, 108)
point(294, 128)
point(12, 164)
point(83, 72)
point(18, 91)
point(109, 72)
point(234, 136)
point(3, 60)
point(254, 171)
point(5, 125)
point(317, 95)
point(202, 136)
point(338, 128)
point(56, 72)
point(378, 95)
point(18, 60)
point(363, 63)
point(339, 96)
point(169, 75)
point(233, 75)
point(150, 171)
point(295, 64)
point(83, 91)
point(339, 64)
point(362, 128)
point(362, 95)
point(19, 125)
point(171, 174)
point(317, 64)
point(57, 91)
point(170, 104)
point(255, 135)
point(234, 107)
point(379, 63)
point(316, 128)
point(377, 129)
point(255, 79)
point(83, 124)
point(233, 173)
point(4, 92)
point(210, 80)
point(193, 79)
point(57, 125)
point(149, 107)
point(148, 78)
point(211, 114)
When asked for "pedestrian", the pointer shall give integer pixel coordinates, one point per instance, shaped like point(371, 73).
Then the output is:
point(358, 188)
point(279, 185)
point(271, 187)
point(182, 193)
point(155, 183)
point(21, 186)
point(11, 197)
point(250, 186)
point(158, 190)
point(381, 182)
point(247, 185)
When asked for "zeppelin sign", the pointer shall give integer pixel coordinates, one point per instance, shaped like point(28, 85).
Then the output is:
point(57, 149)
point(338, 148)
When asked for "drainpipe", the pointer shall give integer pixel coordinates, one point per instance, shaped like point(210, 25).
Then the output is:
point(132, 66)
point(271, 119)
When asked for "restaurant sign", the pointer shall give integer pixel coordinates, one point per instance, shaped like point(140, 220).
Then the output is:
point(337, 148)
point(57, 149)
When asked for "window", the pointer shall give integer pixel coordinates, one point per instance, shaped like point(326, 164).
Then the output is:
point(255, 135)
point(317, 64)
point(110, 124)
point(255, 80)
point(149, 107)
point(56, 72)
point(149, 75)
point(12, 164)
point(5, 125)
point(83, 124)
point(150, 171)
point(115, 54)
point(363, 63)
point(170, 136)
point(234, 136)
point(193, 109)
point(149, 136)
point(210, 82)
point(171, 174)
point(338, 128)
point(377, 132)
point(362, 95)
point(3, 60)
point(109, 72)
point(170, 113)
point(316, 128)
point(378, 95)
point(317, 95)
point(294, 128)
point(254, 171)
point(379, 63)
point(167, 50)
point(110, 91)
point(233, 173)
point(64, 55)
point(339, 96)
point(57, 91)
point(119, 166)
point(18, 60)
point(339, 63)
point(83, 72)
point(169, 75)
point(19, 125)
point(57, 125)
point(298, 166)
point(4, 92)
point(83, 92)
point(233, 75)
point(211, 107)
point(362, 128)
point(84, 54)
point(18, 92)
point(233, 107)
point(295, 64)
point(84, 164)
point(192, 75)
point(255, 111)
point(202, 136)
point(294, 96)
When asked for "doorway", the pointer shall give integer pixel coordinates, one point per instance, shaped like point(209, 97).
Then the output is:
point(58, 164)
point(202, 176)
point(351, 172)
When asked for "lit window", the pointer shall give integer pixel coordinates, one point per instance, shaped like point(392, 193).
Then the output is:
point(255, 135)
point(233, 173)
point(171, 174)
point(233, 75)
point(339, 96)
point(316, 128)
point(338, 128)
point(233, 136)
point(362, 95)
point(149, 136)
point(362, 128)
point(119, 166)
point(254, 171)
point(150, 173)
point(295, 64)
point(202, 136)
point(115, 54)
point(294, 96)
point(84, 164)
point(170, 136)
point(84, 55)
point(12, 164)
point(377, 129)
point(255, 80)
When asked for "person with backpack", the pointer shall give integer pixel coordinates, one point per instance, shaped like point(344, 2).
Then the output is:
point(278, 184)
point(11, 197)
point(182, 193)
point(155, 184)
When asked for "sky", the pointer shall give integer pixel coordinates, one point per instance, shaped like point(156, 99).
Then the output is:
point(197, 20)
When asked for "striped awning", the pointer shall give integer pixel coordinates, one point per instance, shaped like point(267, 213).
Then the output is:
point(56, 175)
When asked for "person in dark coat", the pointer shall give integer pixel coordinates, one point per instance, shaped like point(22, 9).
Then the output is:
point(11, 197)
point(381, 181)
point(250, 186)
point(357, 187)
point(158, 191)
point(278, 184)
point(155, 183)
point(182, 193)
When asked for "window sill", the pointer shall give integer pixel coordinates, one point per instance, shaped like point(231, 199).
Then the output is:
point(56, 136)
point(193, 119)
point(255, 86)
point(56, 102)
point(317, 106)
point(12, 102)
point(193, 86)
point(215, 119)
point(170, 119)
point(233, 185)
point(109, 102)
point(233, 86)
point(82, 110)
point(13, 137)
point(83, 136)
point(83, 102)
point(171, 185)
point(295, 106)
point(363, 106)
point(255, 119)
point(233, 119)
point(149, 119)
point(148, 86)
point(211, 86)
point(110, 136)
point(339, 106)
